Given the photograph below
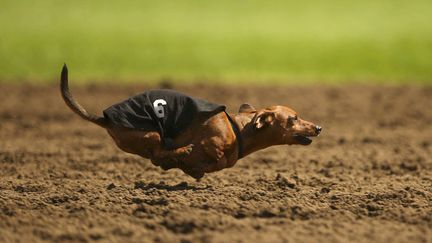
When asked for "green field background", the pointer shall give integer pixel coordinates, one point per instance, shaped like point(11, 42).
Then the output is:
point(220, 41)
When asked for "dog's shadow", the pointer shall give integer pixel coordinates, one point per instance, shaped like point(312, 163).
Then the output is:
point(182, 186)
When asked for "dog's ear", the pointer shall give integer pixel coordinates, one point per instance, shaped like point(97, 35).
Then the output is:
point(246, 108)
point(263, 119)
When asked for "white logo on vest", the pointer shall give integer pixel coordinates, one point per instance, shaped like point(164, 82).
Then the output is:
point(158, 107)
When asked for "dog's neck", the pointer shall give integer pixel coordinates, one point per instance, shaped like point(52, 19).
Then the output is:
point(253, 140)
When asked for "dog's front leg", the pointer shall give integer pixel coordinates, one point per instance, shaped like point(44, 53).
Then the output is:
point(161, 153)
point(168, 159)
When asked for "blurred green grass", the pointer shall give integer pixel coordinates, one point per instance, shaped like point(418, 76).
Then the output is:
point(224, 41)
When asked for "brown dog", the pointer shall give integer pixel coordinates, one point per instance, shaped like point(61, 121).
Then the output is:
point(208, 144)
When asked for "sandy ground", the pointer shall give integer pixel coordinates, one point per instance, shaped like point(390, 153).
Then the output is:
point(368, 178)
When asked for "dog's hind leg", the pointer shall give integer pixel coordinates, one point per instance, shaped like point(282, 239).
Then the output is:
point(146, 144)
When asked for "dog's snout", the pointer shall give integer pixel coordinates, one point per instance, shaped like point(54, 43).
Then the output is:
point(318, 129)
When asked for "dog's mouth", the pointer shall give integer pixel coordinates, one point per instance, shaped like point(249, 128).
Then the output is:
point(303, 140)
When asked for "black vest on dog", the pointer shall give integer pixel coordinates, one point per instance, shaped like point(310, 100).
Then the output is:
point(167, 111)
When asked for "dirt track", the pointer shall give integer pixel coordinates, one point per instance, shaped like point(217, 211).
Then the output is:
point(367, 178)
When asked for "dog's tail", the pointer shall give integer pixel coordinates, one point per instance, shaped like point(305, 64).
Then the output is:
point(73, 105)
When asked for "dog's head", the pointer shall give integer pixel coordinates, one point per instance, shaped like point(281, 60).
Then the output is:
point(282, 124)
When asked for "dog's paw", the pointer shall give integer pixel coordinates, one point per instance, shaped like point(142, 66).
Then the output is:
point(189, 148)
point(186, 150)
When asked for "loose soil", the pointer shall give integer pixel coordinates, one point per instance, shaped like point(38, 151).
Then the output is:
point(368, 177)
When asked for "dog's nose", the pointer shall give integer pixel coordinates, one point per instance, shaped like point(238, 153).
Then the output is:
point(318, 129)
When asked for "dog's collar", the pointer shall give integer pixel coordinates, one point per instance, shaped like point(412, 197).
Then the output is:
point(238, 136)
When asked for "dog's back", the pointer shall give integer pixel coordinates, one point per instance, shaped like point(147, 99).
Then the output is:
point(167, 111)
